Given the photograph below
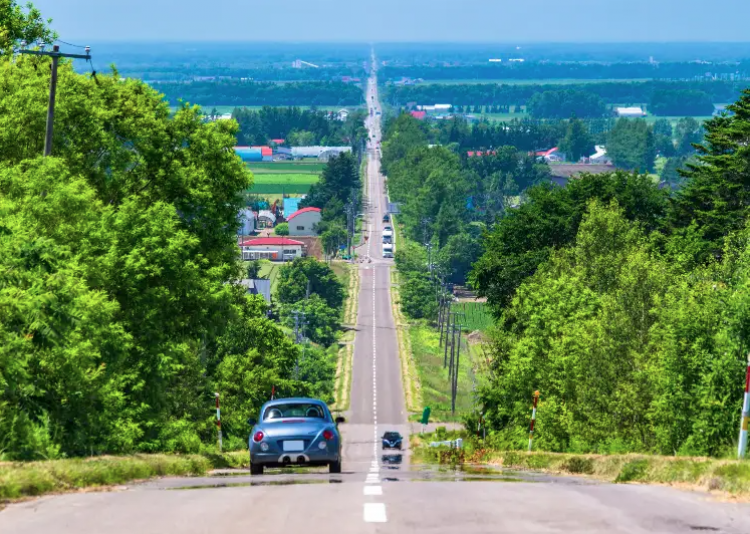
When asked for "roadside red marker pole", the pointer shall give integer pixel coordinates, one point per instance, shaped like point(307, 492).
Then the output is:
point(742, 448)
point(218, 419)
point(273, 392)
point(533, 419)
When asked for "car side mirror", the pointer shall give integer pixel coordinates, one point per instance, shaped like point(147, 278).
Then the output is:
point(340, 420)
point(252, 421)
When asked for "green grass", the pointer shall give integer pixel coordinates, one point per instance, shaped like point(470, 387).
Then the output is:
point(730, 476)
point(228, 109)
point(477, 315)
point(269, 269)
point(286, 179)
point(28, 479)
point(279, 188)
point(433, 378)
point(286, 167)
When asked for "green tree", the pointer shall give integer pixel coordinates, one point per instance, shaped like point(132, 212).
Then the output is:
point(303, 274)
point(22, 23)
point(339, 178)
point(253, 269)
point(301, 138)
point(333, 238)
point(689, 133)
point(577, 142)
point(524, 238)
point(281, 229)
point(418, 296)
point(630, 144)
point(323, 321)
point(716, 195)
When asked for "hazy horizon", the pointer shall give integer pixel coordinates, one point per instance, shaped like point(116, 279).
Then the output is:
point(395, 21)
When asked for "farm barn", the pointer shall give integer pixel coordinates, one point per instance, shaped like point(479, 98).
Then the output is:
point(304, 221)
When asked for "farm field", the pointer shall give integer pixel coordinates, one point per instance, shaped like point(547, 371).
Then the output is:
point(284, 178)
point(476, 315)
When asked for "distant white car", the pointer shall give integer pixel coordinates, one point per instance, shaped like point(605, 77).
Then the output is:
point(387, 231)
point(387, 250)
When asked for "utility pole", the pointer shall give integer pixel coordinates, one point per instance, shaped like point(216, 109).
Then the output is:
point(55, 55)
point(298, 336)
point(447, 326)
point(455, 372)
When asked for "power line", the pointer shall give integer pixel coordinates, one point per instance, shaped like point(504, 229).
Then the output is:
point(69, 44)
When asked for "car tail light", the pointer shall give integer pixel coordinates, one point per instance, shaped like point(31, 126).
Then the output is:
point(327, 435)
point(258, 436)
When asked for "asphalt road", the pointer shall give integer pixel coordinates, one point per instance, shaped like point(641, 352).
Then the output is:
point(377, 492)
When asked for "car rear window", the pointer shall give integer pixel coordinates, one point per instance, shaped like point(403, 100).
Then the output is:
point(294, 409)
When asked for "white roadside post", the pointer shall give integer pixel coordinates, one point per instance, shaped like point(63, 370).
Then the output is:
point(742, 448)
point(218, 419)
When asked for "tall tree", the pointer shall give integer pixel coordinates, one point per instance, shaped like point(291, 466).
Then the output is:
point(630, 144)
point(717, 192)
point(577, 142)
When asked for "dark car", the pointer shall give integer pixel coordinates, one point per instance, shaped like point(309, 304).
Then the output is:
point(386, 218)
point(392, 440)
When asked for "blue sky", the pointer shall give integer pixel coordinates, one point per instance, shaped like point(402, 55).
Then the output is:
point(400, 20)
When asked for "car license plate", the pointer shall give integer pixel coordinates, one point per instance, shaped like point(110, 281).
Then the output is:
point(294, 446)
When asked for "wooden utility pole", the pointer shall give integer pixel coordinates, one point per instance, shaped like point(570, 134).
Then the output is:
point(55, 55)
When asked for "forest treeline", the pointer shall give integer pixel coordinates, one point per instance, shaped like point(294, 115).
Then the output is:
point(608, 92)
point(249, 93)
point(299, 127)
point(571, 70)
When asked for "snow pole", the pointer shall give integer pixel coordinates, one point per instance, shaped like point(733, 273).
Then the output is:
point(533, 418)
point(742, 448)
point(218, 419)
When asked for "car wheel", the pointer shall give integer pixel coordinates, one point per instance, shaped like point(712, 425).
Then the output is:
point(334, 467)
point(256, 469)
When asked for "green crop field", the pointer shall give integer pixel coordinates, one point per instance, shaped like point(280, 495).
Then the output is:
point(278, 189)
point(286, 167)
point(286, 179)
point(477, 315)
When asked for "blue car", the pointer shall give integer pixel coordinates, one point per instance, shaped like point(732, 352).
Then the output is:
point(392, 440)
point(295, 432)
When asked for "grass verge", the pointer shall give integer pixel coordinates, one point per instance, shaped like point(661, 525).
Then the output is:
point(409, 374)
point(29, 479)
point(346, 350)
point(428, 357)
point(704, 474)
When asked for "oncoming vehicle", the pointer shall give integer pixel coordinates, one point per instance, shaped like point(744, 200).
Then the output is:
point(294, 432)
point(387, 231)
point(387, 250)
point(392, 440)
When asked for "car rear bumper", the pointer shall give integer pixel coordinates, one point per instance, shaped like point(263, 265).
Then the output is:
point(288, 459)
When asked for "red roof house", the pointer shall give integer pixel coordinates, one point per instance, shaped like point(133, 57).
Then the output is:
point(419, 115)
point(303, 210)
point(270, 242)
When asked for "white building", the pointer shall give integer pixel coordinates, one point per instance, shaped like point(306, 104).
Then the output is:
point(272, 248)
point(343, 114)
point(304, 221)
point(300, 152)
point(630, 112)
point(266, 219)
point(600, 156)
point(247, 220)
